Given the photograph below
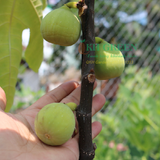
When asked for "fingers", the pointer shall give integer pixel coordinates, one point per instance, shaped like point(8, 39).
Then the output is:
point(96, 128)
point(56, 95)
point(97, 103)
point(2, 99)
point(75, 95)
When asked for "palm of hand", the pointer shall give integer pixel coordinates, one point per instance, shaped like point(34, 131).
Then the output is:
point(20, 142)
point(17, 136)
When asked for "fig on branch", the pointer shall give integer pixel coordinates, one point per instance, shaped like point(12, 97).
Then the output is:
point(54, 124)
point(72, 106)
point(109, 61)
point(61, 27)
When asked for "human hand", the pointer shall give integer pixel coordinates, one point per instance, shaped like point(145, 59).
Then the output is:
point(17, 135)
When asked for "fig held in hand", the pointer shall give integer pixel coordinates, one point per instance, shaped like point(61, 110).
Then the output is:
point(54, 124)
point(109, 61)
point(61, 27)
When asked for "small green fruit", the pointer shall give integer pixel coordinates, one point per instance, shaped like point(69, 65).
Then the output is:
point(61, 27)
point(54, 124)
point(109, 61)
point(72, 106)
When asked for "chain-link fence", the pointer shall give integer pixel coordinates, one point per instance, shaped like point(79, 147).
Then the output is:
point(135, 27)
point(132, 26)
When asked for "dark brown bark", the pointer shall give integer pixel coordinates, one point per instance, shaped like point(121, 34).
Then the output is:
point(84, 110)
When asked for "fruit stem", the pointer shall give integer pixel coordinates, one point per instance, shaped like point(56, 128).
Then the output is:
point(98, 40)
point(71, 4)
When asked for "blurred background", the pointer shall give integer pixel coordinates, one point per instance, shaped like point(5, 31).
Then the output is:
point(131, 114)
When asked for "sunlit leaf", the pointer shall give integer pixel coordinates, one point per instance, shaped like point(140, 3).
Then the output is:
point(15, 16)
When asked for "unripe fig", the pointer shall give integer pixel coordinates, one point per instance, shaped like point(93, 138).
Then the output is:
point(109, 61)
point(61, 27)
point(54, 124)
point(72, 106)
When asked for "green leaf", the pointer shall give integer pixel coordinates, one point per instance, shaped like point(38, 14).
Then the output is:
point(15, 16)
point(44, 2)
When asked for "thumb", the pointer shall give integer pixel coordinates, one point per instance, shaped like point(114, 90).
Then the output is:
point(2, 99)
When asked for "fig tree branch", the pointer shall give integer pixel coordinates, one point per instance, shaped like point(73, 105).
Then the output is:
point(84, 110)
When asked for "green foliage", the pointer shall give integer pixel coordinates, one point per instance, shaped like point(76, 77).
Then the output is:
point(141, 81)
point(15, 16)
point(134, 119)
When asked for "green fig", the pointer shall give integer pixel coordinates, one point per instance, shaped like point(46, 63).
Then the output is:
point(72, 106)
point(109, 61)
point(55, 124)
point(61, 27)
